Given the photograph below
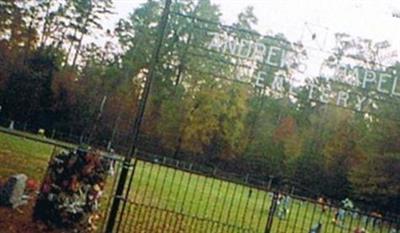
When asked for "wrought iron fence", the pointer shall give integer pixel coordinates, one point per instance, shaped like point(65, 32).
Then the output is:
point(150, 193)
point(166, 195)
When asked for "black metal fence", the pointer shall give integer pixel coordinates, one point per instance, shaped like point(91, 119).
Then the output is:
point(158, 194)
point(65, 136)
point(165, 195)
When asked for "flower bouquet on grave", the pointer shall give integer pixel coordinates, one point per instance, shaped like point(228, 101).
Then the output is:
point(70, 193)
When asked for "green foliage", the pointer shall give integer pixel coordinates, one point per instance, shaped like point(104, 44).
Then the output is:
point(51, 78)
point(376, 180)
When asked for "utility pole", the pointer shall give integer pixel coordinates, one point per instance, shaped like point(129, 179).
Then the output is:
point(138, 121)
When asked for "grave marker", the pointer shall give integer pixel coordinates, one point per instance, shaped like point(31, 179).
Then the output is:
point(12, 193)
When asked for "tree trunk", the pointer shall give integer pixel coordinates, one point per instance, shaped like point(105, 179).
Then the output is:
point(85, 25)
point(78, 50)
point(45, 27)
point(70, 48)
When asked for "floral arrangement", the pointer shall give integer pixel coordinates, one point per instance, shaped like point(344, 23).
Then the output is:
point(70, 193)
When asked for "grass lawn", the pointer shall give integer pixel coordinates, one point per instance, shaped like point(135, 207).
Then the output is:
point(18, 155)
point(164, 199)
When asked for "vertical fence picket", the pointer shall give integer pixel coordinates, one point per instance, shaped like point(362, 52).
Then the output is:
point(271, 213)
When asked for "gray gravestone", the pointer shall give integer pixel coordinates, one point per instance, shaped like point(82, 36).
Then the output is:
point(12, 193)
point(11, 126)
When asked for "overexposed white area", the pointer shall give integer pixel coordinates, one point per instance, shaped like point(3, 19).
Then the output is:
point(365, 18)
point(299, 20)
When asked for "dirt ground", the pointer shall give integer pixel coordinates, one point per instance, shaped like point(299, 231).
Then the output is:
point(20, 220)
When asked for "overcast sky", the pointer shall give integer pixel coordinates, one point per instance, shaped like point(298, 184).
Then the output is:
point(299, 19)
point(367, 18)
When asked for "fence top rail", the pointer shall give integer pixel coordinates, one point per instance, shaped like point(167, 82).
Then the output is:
point(37, 138)
point(194, 169)
point(190, 168)
point(240, 180)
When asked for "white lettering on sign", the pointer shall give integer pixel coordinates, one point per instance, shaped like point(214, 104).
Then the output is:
point(354, 76)
point(324, 97)
point(246, 48)
point(369, 77)
point(289, 61)
point(216, 42)
point(394, 87)
point(360, 101)
point(259, 52)
point(273, 54)
point(243, 48)
point(342, 99)
point(383, 80)
point(231, 45)
point(277, 84)
point(260, 79)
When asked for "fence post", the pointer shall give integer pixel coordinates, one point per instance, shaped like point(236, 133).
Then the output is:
point(271, 213)
point(292, 190)
point(214, 171)
point(70, 134)
point(53, 133)
point(25, 126)
point(270, 182)
point(81, 138)
point(115, 207)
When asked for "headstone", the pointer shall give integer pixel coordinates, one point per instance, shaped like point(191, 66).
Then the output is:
point(41, 132)
point(12, 193)
point(11, 126)
point(316, 228)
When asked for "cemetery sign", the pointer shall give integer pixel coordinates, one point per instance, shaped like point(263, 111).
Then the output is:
point(352, 86)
